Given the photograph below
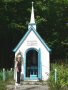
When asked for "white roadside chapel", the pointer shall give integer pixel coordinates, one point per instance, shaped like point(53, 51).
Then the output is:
point(35, 53)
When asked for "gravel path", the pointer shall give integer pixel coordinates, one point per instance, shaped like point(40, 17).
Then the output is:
point(28, 87)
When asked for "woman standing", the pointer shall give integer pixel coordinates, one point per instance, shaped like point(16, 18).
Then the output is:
point(18, 69)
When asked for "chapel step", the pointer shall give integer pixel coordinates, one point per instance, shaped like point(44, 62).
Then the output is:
point(33, 83)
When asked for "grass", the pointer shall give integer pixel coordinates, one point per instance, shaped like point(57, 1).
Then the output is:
point(62, 77)
point(2, 85)
point(61, 83)
point(9, 78)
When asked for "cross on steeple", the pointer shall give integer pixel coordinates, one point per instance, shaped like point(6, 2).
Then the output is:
point(32, 19)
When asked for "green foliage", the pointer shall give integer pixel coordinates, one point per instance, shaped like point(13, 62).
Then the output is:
point(1, 75)
point(62, 77)
point(9, 79)
point(52, 24)
point(2, 85)
point(9, 75)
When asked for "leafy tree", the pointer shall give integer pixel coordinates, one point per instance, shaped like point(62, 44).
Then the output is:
point(52, 24)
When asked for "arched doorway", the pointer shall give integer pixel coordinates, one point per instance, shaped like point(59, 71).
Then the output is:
point(32, 63)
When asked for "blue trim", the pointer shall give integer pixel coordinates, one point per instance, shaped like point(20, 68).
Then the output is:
point(31, 49)
point(39, 65)
point(25, 64)
point(41, 39)
point(33, 76)
point(21, 41)
point(32, 24)
point(25, 36)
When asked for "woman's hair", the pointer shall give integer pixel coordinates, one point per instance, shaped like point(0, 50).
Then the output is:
point(19, 55)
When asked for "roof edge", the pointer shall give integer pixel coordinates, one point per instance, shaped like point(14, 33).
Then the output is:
point(23, 38)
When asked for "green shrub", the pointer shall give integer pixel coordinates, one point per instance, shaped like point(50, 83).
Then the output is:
point(9, 75)
point(62, 77)
point(1, 75)
point(9, 79)
point(3, 85)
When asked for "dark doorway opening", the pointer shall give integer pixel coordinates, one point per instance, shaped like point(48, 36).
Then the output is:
point(31, 63)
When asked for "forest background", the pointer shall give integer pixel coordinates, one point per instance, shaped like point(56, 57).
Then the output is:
point(52, 24)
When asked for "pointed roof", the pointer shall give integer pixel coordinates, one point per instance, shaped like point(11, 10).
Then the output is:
point(31, 27)
point(32, 20)
point(25, 36)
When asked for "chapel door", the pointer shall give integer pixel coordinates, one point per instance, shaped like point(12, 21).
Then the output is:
point(32, 64)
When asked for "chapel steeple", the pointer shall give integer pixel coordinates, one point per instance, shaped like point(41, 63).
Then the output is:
point(32, 19)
